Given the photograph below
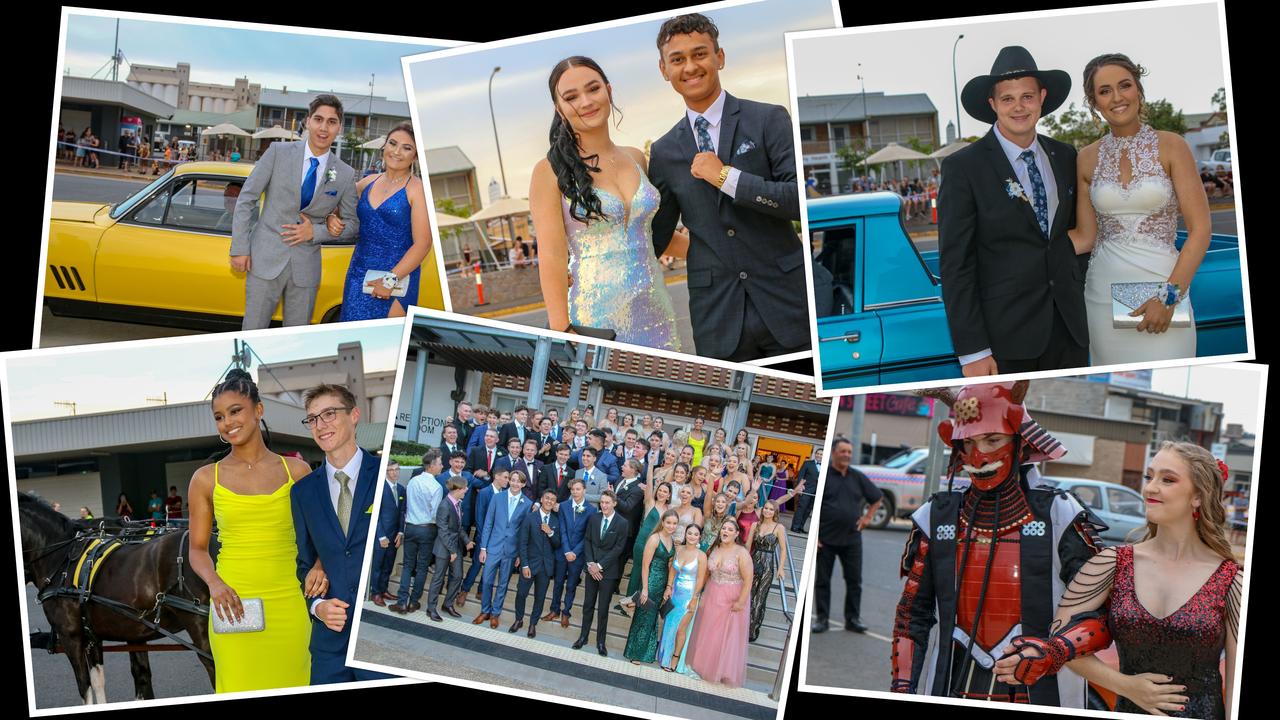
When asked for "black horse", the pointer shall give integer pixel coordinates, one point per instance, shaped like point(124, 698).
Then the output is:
point(128, 585)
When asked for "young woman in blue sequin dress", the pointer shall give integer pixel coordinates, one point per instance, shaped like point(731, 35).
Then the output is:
point(395, 234)
point(593, 205)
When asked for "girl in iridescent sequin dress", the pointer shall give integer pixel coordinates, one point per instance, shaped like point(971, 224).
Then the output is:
point(1138, 180)
point(395, 233)
point(593, 205)
point(1171, 602)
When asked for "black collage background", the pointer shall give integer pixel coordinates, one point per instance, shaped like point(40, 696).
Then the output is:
point(33, 63)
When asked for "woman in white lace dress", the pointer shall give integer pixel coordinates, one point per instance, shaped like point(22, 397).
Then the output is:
point(1137, 180)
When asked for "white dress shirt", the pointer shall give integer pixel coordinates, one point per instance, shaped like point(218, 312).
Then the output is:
point(320, 168)
point(714, 115)
point(352, 469)
point(1013, 152)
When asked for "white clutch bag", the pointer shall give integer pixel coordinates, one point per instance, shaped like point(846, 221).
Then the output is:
point(253, 621)
point(399, 290)
point(1127, 297)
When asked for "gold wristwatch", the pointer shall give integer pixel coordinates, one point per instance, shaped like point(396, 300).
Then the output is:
point(724, 175)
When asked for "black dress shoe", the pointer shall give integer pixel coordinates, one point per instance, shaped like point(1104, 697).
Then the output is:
point(515, 626)
point(447, 609)
point(855, 625)
point(434, 615)
point(414, 607)
point(820, 625)
point(397, 609)
point(577, 645)
point(533, 631)
point(600, 649)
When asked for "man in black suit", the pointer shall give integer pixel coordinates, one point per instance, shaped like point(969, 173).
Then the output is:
point(464, 423)
point(538, 543)
point(1013, 291)
point(809, 473)
point(546, 441)
point(449, 548)
point(630, 494)
point(606, 535)
point(482, 460)
point(516, 428)
point(728, 170)
point(450, 441)
point(556, 475)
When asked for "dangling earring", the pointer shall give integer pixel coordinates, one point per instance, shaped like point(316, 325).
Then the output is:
point(1195, 515)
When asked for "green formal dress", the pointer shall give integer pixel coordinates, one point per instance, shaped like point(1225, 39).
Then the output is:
point(637, 550)
point(642, 639)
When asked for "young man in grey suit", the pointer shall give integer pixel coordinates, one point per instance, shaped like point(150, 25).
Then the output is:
point(449, 548)
point(303, 182)
point(728, 171)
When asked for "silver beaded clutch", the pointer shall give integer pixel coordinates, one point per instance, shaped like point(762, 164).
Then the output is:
point(253, 621)
point(1129, 296)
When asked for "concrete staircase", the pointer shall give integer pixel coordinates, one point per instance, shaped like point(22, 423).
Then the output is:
point(764, 656)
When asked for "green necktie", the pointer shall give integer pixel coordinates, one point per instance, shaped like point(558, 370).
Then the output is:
point(344, 500)
point(604, 528)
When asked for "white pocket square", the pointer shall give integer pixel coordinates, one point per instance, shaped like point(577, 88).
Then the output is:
point(745, 147)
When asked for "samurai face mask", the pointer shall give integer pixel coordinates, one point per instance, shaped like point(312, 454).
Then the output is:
point(987, 470)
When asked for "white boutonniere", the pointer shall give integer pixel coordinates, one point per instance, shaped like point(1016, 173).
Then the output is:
point(330, 175)
point(1015, 191)
point(579, 509)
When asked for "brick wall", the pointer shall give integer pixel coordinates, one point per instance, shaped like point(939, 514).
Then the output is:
point(500, 286)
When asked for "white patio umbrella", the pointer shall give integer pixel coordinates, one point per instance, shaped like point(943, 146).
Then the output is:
point(275, 133)
point(444, 220)
point(503, 208)
point(374, 144)
point(893, 152)
point(949, 149)
point(225, 129)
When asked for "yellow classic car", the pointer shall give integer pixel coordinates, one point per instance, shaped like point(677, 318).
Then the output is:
point(160, 256)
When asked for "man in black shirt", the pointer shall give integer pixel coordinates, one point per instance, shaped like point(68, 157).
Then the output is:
point(840, 536)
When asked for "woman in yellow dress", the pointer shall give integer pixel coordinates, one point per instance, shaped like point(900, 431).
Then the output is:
point(247, 493)
point(697, 440)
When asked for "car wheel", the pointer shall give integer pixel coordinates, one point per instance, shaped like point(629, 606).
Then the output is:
point(884, 513)
point(332, 316)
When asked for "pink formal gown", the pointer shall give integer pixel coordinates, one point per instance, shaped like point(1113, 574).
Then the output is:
point(718, 646)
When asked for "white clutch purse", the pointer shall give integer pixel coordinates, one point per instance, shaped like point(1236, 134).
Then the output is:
point(399, 290)
point(253, 621)
point(1127, 297)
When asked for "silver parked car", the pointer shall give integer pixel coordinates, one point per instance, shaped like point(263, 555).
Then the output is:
point(1120, 507)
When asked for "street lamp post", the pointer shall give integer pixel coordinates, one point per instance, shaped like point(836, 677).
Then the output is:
point(955, 86)
point(866, 121)
point(494, 120)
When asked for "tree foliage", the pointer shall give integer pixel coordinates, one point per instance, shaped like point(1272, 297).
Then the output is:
point(852, 154)
point(1078, 127)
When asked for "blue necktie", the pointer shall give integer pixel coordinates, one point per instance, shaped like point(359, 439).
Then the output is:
point(309, 183)
point(604, 528)
point(704, 137)
point(1040, 199)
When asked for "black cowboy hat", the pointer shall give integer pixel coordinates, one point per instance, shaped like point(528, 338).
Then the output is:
point(1013, 62)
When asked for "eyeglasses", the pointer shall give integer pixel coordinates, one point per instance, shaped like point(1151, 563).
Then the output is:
point(327, 415)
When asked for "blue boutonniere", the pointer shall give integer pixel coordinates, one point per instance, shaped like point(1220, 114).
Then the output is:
point(1015, 191)
point(330, 175)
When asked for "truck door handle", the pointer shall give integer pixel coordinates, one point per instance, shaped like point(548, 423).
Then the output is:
point(851, 337)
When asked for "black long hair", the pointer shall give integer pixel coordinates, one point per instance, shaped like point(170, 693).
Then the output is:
point(240, 381)
point(573, 174)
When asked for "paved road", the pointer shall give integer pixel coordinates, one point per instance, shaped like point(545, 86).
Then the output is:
point(838, 658)
point(173, 674)
point(679, 298)
point(63, 331)
point(86, 188)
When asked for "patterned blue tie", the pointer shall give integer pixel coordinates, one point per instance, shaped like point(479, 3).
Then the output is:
point(1041, 200)
point(704, 137)
point(309, 183)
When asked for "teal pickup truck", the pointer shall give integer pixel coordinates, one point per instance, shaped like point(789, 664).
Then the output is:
point(885, 323)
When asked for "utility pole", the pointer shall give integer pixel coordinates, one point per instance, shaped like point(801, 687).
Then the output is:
point(66, 404)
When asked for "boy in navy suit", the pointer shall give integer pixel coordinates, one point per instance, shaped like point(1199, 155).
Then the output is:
point(390, 534)
point(539, 540)
point(331, 510)
point(506, 513)
point(574, 515)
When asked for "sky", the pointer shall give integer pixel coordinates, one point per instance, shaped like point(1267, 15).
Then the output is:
point(220, 55)
point(451, 93)
point(110, 378)
point(1232, 385)
point(1179, 46)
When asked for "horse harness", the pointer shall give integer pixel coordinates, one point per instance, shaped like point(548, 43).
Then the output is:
point(80, 570)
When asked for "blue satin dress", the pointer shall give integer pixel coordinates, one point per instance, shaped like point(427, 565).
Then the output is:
point(386, 234)
point(681, 597)
point(617, 281)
